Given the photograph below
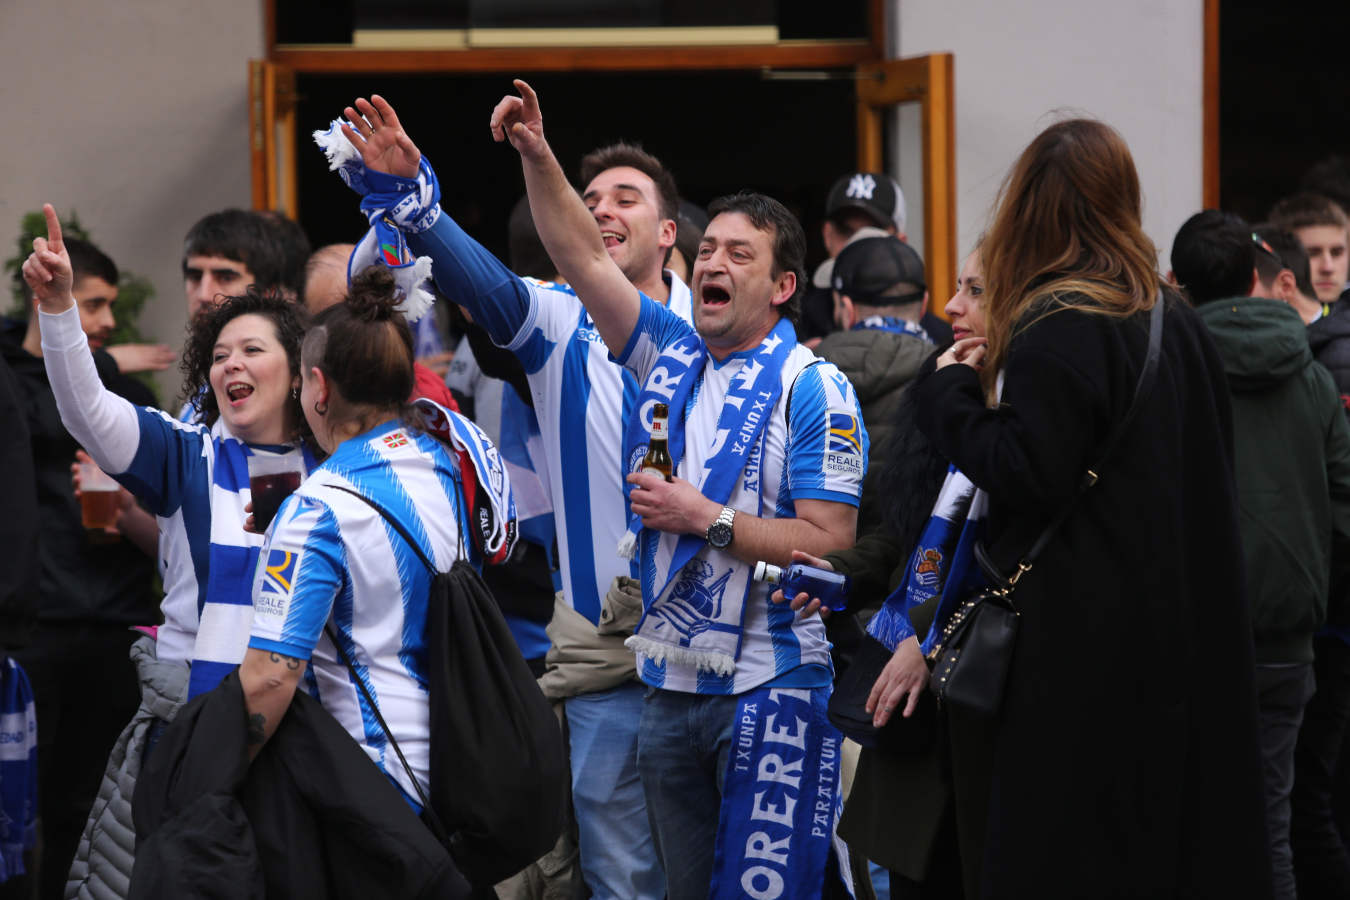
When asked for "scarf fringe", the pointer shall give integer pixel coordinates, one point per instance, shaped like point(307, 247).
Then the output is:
point(408, 281)
point(342, 157)
point(627, 548)
point(703, 660)
point(890, 626)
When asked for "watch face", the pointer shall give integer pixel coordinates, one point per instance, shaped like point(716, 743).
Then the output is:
point(719, 535)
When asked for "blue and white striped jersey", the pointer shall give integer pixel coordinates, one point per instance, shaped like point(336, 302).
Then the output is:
point(329, 555)
point(194, 479)
point(582, 398)
point(820, 455)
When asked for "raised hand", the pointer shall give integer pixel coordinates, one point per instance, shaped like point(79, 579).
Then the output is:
point(142, 357)
point(47, 269)
point(517, 119)
point(375, 132)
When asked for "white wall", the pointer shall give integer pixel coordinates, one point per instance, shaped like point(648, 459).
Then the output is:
point(1135, 65)
point(135, 113)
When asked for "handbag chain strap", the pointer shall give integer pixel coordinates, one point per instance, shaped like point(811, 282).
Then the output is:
point(435, 823)
point(1147, 375)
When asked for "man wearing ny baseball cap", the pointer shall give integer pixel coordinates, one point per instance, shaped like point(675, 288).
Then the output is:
point(859, 200)
point(859, 205)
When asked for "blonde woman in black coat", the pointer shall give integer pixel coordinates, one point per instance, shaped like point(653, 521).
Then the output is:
point(1124, 762)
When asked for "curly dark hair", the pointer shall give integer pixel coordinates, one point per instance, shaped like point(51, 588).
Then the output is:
point(288, 318)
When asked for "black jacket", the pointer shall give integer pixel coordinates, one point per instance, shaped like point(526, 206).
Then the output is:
point(311, 817)
point(1125, 760)
point(1329, 338)
point(18, 513)
point(81, 579)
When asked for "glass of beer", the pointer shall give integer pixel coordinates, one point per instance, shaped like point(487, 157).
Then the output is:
point(271, 479)
point(98, 498)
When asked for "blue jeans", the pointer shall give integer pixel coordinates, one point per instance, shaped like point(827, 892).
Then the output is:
point(618, 857)
point(683, 744)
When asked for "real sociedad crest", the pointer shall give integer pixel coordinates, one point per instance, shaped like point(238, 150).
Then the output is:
point(928, 567)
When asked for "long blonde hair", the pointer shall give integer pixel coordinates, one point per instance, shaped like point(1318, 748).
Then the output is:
point(1066, 234)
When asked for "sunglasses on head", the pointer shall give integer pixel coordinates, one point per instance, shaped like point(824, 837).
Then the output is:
point(1261, 244)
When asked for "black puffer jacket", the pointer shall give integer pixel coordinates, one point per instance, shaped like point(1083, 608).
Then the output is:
point(1329, 338)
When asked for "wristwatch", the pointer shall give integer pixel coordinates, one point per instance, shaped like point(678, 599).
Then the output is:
point(719, 532)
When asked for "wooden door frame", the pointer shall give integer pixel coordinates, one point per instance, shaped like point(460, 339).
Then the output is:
point(928, 81)
point(1210, 165)
point(273, 136)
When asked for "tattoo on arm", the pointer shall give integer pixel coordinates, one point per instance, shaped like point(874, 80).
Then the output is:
point(256, 723)
point(291, 662)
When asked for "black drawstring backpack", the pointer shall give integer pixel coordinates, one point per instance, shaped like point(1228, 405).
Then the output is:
point(498, 769)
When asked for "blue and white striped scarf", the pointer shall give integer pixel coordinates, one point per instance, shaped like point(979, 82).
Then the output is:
point(487, 490)
point(894, 325)
point(780, 798)
point(699, 622)
point(18, 769)
point(394, 206)
point(943, 562)
point(225, 617)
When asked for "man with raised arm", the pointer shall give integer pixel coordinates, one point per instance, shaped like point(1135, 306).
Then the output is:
point(582, 399)
point(737, 759)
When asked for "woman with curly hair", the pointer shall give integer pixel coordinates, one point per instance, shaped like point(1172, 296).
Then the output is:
point(242, 365)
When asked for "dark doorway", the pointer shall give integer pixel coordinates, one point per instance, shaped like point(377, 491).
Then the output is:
point(1283, 92)
point(718, 132)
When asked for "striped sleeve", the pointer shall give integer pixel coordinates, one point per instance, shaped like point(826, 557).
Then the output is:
point(300, 572)
point(827, 443)
point(171, 457)
point(657, 328)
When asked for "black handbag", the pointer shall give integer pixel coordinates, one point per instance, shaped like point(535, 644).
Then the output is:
point(499, 771)
point(971, 662)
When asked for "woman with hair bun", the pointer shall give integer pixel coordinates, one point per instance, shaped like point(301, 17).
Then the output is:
point(1124, 760)
point(335, 569)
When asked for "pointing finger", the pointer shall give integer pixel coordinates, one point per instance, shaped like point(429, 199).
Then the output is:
point(529, 99)
point(53, 228)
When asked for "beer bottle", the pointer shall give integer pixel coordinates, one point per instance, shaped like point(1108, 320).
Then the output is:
point(658, 461)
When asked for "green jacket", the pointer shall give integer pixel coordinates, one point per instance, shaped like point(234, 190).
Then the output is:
point(1292, 462)
point(880, 365)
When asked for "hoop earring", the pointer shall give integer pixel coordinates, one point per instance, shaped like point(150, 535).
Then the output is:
point(295, 393)
point(320, 408)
